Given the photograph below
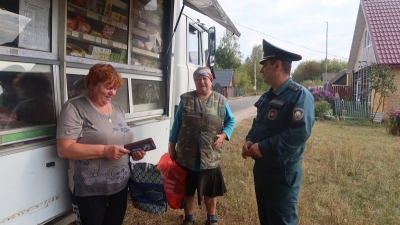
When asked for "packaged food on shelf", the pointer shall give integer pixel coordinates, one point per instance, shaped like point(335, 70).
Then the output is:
point(114, 57)
point(122, 58)
point(141, 25)
point(135, 62)
point(142, 61)
point(137, 43)
point(71, 24)
point(75, 50)
point(80, 3)
point(108, 31)
point(108, 8)
point(95, 33)
point(149, 45)
point(118, 17)
point(99, 53)
point(97, 6)
point(137, 5)
point(83, 25)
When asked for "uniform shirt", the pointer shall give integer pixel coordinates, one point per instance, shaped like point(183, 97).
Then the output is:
point(80, 120)
point(283, 124)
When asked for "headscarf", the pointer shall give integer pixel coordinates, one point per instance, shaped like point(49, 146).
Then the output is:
point(203, 71)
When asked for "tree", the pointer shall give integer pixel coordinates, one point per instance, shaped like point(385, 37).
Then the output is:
point(381, 78)
point(227, 54)
point(254, 58)
point(313, 70)
point(307, 70)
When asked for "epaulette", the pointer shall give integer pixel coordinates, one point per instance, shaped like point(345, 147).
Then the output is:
point(294, 87)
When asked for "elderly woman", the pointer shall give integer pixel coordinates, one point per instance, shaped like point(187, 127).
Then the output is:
point(91, 133)
point(202, 122)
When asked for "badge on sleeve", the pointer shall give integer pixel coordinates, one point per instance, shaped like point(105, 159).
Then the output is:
point(272, 114)
point(298, 113)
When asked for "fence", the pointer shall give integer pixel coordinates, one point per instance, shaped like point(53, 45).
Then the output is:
point(230, 92)
point(342, 91)
point(351, 109)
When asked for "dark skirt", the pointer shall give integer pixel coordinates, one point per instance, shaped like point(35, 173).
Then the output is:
point(208, 183)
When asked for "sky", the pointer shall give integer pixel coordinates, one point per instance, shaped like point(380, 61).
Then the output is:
point(298, 26)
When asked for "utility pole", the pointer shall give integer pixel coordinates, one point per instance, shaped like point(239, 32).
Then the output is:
point(326, 58)
point(255, 85)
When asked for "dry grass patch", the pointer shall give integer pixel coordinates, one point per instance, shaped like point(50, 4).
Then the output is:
point(351, 175)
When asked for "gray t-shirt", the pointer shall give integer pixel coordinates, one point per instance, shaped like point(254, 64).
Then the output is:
point(80, 120)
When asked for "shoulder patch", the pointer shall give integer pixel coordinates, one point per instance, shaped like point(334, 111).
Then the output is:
point(294, 87)
point(298, 113)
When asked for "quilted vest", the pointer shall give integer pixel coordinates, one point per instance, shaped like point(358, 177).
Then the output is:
point(201, 121)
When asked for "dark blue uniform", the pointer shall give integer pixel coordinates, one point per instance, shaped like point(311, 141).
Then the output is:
point(285, 117)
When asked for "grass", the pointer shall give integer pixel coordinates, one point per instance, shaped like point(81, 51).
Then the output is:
point(351, 175)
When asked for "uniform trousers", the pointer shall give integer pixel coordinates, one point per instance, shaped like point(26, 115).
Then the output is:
point(277, 193)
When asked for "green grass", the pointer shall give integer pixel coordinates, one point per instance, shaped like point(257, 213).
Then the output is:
point(351, 175)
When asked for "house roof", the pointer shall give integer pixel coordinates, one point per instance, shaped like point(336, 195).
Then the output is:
point(223, 77)
point(383, 21)
point(337, 76)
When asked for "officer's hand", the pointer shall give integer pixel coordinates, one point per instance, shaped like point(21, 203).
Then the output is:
point(246, 149)
point(255, 151)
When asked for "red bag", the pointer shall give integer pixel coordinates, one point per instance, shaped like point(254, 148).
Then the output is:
point(174, 180)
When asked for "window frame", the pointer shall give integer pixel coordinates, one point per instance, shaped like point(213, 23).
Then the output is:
point(57, 108)
point(199, 44)
point(367, 39)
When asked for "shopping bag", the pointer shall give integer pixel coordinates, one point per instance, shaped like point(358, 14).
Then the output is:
point(146, 188)
point(174, 178)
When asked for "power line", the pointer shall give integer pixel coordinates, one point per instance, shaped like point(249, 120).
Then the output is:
point(290, 42)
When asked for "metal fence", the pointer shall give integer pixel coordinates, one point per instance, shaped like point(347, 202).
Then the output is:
point(351, 109)
point(230, 92)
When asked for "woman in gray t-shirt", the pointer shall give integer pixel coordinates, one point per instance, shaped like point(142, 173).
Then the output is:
point(91, 133)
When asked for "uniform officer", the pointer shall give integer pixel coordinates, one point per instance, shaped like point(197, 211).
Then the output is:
point(276, 140)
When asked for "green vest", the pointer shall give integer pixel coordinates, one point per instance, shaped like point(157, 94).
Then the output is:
point(201, 121)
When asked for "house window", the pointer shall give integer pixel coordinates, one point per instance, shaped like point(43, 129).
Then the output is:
point(367, 39)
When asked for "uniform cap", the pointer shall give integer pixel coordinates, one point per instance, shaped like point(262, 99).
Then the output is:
point(273, 52)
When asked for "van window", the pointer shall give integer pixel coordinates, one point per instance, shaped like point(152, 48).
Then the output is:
point(147, 95)
point(25, 24)
point(27, 108)
point(76, 87)
point(194, 47)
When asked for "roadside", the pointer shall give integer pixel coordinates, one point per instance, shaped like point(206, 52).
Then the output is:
point(245, 113)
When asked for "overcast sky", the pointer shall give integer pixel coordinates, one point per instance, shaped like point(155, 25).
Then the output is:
point(297, 26)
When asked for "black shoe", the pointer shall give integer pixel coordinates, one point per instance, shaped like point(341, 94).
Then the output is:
point(212, 222)
point(188, 222)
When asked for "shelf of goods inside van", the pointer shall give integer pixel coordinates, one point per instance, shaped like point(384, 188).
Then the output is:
point(114, 21)
point(95, 40)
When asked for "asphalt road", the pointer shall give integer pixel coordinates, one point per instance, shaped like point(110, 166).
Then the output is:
point(243, 108)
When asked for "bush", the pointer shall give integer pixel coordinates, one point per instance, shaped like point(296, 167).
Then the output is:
point(323, 95)
point(321, 108)
point(393, 124)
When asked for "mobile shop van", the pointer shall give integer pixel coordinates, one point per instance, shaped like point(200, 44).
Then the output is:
point(46, 48)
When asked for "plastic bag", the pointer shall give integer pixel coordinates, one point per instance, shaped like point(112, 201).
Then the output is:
point(174, 179)
point(146, 188)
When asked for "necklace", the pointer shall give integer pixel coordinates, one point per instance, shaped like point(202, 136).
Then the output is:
point(109, 115)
